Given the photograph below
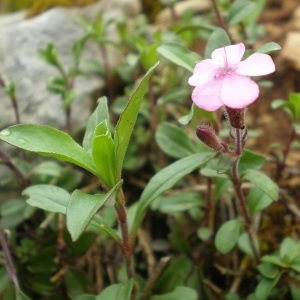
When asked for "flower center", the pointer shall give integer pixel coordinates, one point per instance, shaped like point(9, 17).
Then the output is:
point(225, 71)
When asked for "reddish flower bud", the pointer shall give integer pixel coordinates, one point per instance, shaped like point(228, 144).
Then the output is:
point(209, 137)
point(236, 117)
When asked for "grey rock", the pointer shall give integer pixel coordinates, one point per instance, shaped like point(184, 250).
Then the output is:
point(21, 38)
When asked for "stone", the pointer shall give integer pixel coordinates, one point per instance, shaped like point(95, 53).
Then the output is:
point(20, 40)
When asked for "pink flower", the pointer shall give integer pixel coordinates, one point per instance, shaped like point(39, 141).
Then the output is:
point(224, 79)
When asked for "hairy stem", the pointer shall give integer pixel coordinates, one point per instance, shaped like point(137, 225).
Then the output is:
point(240, 195)
point(8, 260)
point(126, 244)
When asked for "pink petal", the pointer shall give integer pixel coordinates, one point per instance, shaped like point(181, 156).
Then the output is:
point(207, 96)
point(238, 91)
point(203, 72)
point(255, 65)
point(228, 54)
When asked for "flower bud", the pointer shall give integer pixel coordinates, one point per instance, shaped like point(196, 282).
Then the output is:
point(209, 137)
point(236, 117)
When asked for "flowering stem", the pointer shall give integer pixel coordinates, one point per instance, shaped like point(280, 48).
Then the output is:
point(239, 192)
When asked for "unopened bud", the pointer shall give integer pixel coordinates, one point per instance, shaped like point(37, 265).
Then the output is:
point(236, 117)
point(209, 137)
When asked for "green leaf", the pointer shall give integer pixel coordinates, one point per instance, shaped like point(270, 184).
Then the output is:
point(117, 291)
point(295, 291)
point(99, 225)
point(20, 295)
point(50, 56)
point(257, 200)
point(48, 141)
point(179, 55)
point(127, 121)
point(265, 287)
point(103, 154)
point(245, 245)
point(177, 203)
point(48, 197)
point(263, 182)
point(217, 39)
point(268, 48)
point(278, 103)
point(250, 160)
point(239, 10)
point(294, 105)
point(180, 292)
point(14, 212)
point(288, 250)
point(100, 114)
point(57, 85)
point(228, 235)
point(174, 141)
point(268, 270)
point(82, 207)
point(165, 179)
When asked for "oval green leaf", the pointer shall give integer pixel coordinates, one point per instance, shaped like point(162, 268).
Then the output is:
point(48, 141)
point(174, 141)
point(263, 182)
point(228, 235)
point(179, 55)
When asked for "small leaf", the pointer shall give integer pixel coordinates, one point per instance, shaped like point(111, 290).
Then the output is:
point(239, 10)
point(177, 203)
point(127, 121)
point(228, 235)
point(263, 182)
point(245, 245)
point(268, 270)
point(179, 55)
point(48, 141)
point(174, 141)
point(257, 200)
point(288, 250)
point(217, 39)
point(250, 160)
point(50, 56)
point(265, 287)
point(104, 155)
point(82, 207)
point(48, 197)
point(165, 179)
point(180, 292)
point(100, 114)
point(268, 48)
point(117, 291)
point(204, 233)
point(278, 103)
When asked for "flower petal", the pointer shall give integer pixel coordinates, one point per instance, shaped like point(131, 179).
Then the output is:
point(228, 54)
point(203, 72)
point(255, 65)
point(238, 91)
point(207, 96)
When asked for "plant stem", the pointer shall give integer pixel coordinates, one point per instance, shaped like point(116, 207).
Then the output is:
point(239, 192)
point(126, 244)
point(8, 260)
point(281, 165)
point(10, 164)
point(220, 18)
